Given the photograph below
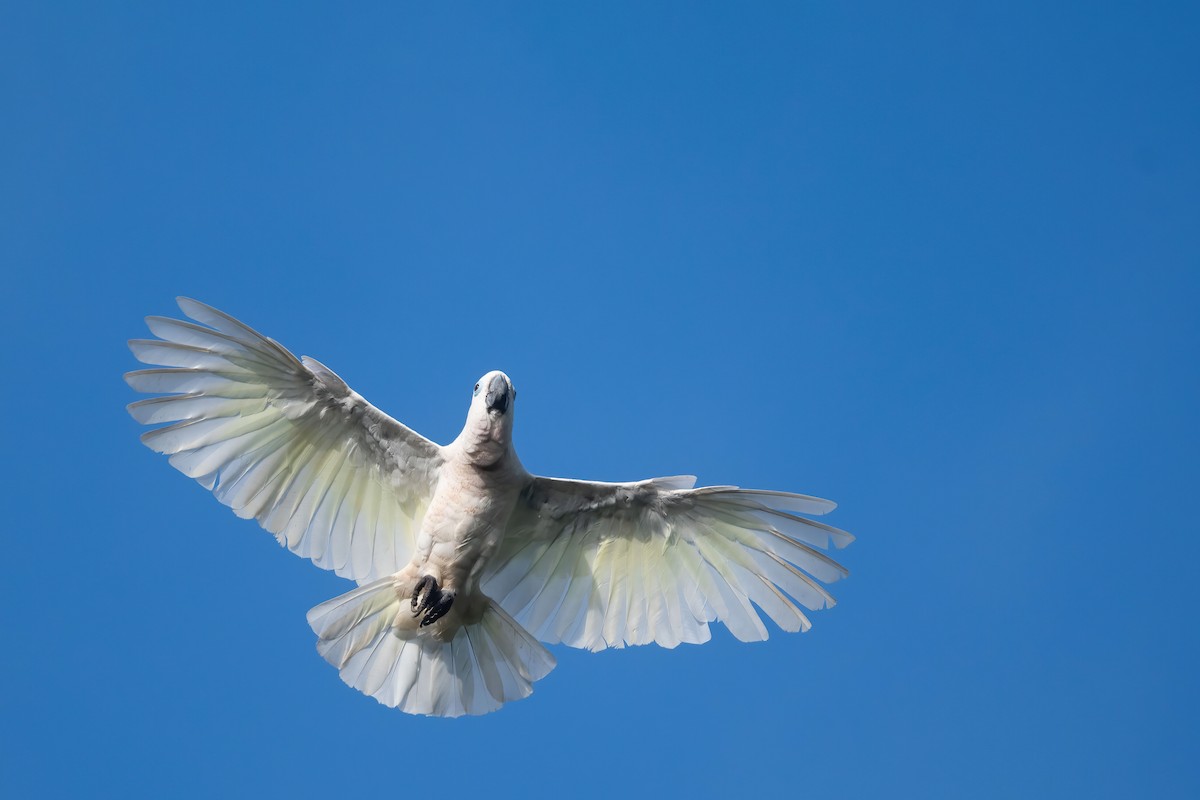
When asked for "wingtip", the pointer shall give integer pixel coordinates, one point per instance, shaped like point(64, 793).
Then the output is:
point(826, 507)
point(147, 439)
point(822, 505)
point(190, 306)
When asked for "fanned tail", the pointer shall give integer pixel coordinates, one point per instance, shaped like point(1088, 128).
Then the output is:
point(469, 663)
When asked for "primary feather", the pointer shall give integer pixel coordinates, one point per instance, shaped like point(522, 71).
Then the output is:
point(285, 441)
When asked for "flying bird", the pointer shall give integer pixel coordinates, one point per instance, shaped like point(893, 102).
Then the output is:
point(465, 562)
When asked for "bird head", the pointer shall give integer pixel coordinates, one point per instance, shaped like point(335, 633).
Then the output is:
point(494, 395)
point(489, 421)
point(495, 392)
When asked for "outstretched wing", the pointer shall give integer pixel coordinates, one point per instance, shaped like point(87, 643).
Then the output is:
point(284, 440)
point(601, 565)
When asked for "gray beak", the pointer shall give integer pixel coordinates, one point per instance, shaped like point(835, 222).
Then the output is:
point(497, 394)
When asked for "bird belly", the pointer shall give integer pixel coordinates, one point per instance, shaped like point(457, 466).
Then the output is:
point(462, 528)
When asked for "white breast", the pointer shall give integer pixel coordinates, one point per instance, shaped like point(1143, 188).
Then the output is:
point(464, 524)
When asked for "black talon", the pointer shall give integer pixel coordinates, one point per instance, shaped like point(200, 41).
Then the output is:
point(438, 608)
point(429, 585)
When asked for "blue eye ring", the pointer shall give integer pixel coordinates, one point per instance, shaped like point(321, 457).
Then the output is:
point(476, 392)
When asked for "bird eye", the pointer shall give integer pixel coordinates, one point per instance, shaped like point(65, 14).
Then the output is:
point(476, 390)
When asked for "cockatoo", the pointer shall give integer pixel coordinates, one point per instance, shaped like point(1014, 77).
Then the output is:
point(463, 559)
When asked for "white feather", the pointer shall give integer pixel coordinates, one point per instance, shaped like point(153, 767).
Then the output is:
point(278, 441)
point(661, 561)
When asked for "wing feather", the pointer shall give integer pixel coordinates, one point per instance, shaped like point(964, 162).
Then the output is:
point(283, 440)
point(600, 565)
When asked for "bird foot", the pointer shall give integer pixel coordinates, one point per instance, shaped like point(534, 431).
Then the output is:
point(428, 597)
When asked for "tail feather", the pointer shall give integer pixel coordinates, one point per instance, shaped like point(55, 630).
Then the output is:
point(460, 666)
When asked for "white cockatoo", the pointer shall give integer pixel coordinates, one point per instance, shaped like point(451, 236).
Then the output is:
point(465, 561)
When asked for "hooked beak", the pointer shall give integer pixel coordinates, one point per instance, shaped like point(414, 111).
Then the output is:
point(497, 395)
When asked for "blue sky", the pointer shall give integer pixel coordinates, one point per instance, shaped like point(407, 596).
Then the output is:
point(939, 264)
